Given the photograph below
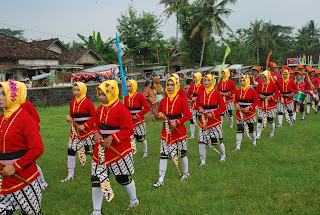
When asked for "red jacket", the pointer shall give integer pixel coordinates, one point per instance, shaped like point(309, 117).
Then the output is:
point(302, 86)
point(176, 110)
point(227, 87)
point(287, 88)
point(245, 98)
point(315, 84)
point(28, 106)
point(83, 112)
point(115, 118)
point(135, 104)
point(193, 93)
point(275, 77)
point(212, 103)
point(268, 90)
point(20, 139)
point(252, 80)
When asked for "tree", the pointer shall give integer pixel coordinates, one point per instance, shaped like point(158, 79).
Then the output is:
point(172, 7)
point(13, 33)
point(140, 34)
point(209, 20)
point(308, 37)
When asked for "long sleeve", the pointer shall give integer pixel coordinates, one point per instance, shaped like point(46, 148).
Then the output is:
point(186, 112)
point(33, 112)
point(233, 87)
point(34, 143)
point(295, 88)
point(145, 109)
point(189, 94)
point(92, 111)
point(222, 106)
point(276, 92)
point(255, 100)
point(126, 126)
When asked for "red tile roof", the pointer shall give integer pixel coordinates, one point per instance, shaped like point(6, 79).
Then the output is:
point(11, 47)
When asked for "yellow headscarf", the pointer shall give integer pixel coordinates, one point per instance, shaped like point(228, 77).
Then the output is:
point(83, 90)
point(198, 75)
point(227, 73)
point(176, 88)
point(23, 88)
point(17, 96)
point(134, 87)
point(111, 90)
point(177, 77)
point(213, 83)
point(247, 80)
point(288, 75)
point(267, 74)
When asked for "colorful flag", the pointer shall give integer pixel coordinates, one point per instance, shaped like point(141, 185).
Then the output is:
point(228, 50)
point(124, 86)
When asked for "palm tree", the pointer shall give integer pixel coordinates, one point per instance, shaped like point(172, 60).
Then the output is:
point(209, 20)
point(312, 29)
point(172, 6)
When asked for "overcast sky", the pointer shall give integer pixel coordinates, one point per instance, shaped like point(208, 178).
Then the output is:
point(65, 18)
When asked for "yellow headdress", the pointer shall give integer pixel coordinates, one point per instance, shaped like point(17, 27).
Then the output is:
point(111, 90)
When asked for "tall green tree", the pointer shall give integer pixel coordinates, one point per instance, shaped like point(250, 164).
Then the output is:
point(173, 6)
point(139, 33)
point(209, 20)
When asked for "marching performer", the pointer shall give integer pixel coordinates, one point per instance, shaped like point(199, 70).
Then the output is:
point(181, 91)
point(268, 92)
point(21, 146)
point(299, 104)
point(287, 89)
point(246, 100)
point(82, 119)
point(211, 105)
point(227, 88)
point(255, 79)
point(135, 102)
point(274, 74)
point(192, 95)
point(174, 111)
point(28, 107)
point(317, 74)
point(112, 152)
point(312, 87)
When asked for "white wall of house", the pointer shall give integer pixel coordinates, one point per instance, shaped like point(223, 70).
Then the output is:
point(37, 62)
point(55, 48)
point(89, 59)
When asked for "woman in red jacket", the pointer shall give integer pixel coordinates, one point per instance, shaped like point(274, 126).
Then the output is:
point(227, 88)
point(192, 95)
point(81, 118)
point(210, 105)
point(28, 106)
point(312, 94)
point(112, 152)
point(135, 102)
point(302, 87)
point(246, 100)
point(174, 141)
point(20, 147)
point(287, 89)
point(268, 92)
point(256, 78)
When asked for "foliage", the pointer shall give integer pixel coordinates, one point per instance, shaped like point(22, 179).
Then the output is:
point(139, 33)
point(13, 33)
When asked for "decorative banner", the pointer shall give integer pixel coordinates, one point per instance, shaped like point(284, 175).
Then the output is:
point(124, 86)
point(228, 50)
point(268, 60)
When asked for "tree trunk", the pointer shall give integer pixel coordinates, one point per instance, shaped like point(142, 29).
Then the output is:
point(202, 51)
point(258, 58)
point(177, 31)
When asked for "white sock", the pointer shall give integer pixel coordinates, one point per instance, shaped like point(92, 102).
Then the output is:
point(294, 115)
point(308, 109)
point(280, 119)
point(303, 114)
point(71, 165)
point(221, 119)
point(202, 152)
point(231, 122)
point(144, 146)
point(131, 189)
point(162, 168)
point(272, 128)
point(184, 162)
point(41, 175)
point(239, 140)
point(222, 150)
point(192, 129)
point(259, 128)
point(97, 197)
point(253, 136)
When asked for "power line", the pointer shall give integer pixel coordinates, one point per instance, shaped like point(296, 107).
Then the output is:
point(27, 29)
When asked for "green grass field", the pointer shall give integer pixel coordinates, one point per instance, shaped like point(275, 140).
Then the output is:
point(279, 176)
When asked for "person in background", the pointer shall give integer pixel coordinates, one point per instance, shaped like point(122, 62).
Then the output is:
point(151, 97)
point(158, 88)
point(29, 83)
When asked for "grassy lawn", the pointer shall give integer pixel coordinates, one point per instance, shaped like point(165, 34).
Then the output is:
point(279, 176)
